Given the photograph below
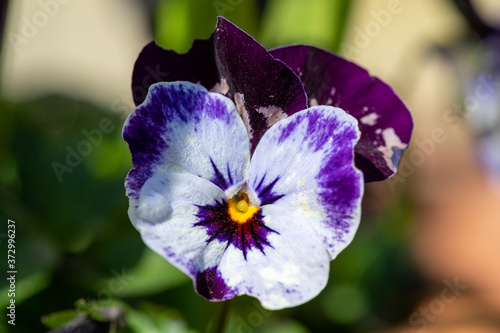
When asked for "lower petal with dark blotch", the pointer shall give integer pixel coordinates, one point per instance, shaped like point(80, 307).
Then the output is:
point(290, 273)
point(166, 217)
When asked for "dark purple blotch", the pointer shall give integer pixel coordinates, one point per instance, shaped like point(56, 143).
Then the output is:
point(211, 285)
point(244, 236)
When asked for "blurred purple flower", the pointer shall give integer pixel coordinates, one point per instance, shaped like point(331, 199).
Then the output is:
point(483, 102)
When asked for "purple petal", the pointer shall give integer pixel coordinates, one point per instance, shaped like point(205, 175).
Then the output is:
point(156, 64)
point(384, 121)
point(264, 89)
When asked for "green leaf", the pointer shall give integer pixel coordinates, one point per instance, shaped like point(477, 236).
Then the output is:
point(155, 319)
point(102, 310)
point(59, 318)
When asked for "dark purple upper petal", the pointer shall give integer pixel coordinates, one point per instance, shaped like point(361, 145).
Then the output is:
point(262, 86)
point(384, 121)
point(231, 62)
point(155, 64)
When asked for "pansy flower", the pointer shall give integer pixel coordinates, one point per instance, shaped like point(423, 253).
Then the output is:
point(236, 181)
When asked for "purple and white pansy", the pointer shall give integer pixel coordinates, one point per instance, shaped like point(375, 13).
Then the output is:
point(241, 185)
point(265, 225)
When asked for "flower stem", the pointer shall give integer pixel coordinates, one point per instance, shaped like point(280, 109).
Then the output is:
point(220, 320)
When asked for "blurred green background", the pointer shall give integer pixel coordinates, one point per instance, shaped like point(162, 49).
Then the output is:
point(77, 253)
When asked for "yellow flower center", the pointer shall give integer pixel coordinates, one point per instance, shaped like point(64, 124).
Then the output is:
point(242, 206)
point(241, 211)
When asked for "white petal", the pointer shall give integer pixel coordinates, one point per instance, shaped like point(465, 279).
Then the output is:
point(183, 128)
point(306, 164)
point(292, 272)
